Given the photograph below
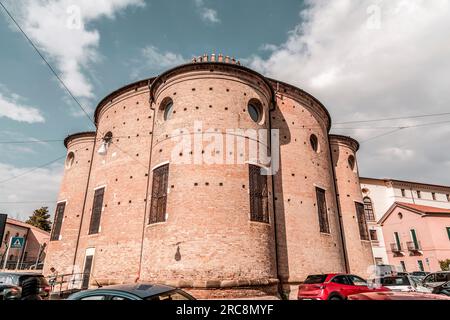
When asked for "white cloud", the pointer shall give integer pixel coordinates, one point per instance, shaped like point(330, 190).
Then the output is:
point(60, 29)
point(12, 107)
point(153, 60)
point(207, 14)
point(375, 59)
point(41, 185)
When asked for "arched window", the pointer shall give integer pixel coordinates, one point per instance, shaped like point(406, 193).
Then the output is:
point(167, 108)
point(254, 109)
point(368, 209)
point(314, 143)
point(351, 162)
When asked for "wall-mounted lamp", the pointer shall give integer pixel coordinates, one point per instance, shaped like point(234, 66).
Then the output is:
point(106, 140)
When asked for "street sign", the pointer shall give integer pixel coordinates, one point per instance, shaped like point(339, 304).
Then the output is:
point(17, 242)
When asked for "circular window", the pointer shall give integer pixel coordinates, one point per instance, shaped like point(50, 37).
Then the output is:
point(314, 142)
point(168, 109)
point(70, 159)
point(351, 162)
point(254, 110)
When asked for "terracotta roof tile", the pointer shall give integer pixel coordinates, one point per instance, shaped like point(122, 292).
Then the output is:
point(424, 209)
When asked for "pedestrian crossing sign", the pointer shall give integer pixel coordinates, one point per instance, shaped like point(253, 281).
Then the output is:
point(17, 242)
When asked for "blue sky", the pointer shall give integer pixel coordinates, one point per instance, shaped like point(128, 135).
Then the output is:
point(365, 59)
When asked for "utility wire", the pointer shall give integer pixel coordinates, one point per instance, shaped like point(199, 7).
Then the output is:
point(32, 170)
point(48, 64)
point(397, 118)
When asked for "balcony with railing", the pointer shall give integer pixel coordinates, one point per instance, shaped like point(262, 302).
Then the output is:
point(396, 249)
point(414, 248)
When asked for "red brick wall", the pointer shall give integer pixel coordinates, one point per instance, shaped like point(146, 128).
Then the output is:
point(349, 190)
point(60, 254)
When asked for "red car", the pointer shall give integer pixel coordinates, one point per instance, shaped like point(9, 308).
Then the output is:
point(334, 286)
point(397, 296)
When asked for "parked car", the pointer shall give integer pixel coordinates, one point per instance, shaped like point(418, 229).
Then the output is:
point(397, 296)
point(17, 279)
point(405, 283)
point(9, 292)
point(139, 291)
point(334, 286)
point(443, 289)
point(419, 274)
point(436, 279)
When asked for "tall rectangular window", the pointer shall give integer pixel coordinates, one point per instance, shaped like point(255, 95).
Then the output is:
point(397, 241)
point(259, 204)
point(363, 231)
point(159, 194)
point(402, 263)
point(420, 263)
point(419, 194)
point(57, 224)
point(322, 211)
point(373, 235)
point(448, 232)
point(414, 239)
point(433, 195)
point(97, 207)
point(448, 197)
point(403, 193)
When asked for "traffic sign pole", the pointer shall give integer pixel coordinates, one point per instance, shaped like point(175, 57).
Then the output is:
point(7, 254)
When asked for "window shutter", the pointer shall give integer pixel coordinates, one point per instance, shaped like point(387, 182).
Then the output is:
point(57, 224)
point(363, 230)
point(96, 211)
point(322, 211)
point(259, 202)
point(159, 194)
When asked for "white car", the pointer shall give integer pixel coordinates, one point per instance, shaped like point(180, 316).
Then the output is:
point(404, 283)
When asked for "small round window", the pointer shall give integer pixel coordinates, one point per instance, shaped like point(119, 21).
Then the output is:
point(351, 162)
point(254, 110)
point(167, 107)
point(314, 142)
point(70, 159)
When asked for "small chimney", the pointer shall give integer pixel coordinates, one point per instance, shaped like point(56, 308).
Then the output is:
point(220, 57)
point(213, 58)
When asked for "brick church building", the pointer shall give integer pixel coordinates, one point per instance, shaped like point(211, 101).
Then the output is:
point(133, 206)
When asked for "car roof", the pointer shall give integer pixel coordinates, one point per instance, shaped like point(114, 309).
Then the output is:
point(142, 290)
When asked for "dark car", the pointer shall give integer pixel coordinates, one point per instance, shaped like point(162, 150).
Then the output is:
point(443, 289)
point(138, 291)
point(392, 295)
point(17, 278)
point(9, 292)
point(419, 274)
point(334, 286)
point(436, 279)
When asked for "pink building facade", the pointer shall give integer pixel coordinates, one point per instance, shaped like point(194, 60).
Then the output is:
point(417, 237)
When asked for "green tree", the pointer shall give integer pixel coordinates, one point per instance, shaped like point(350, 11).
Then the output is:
point(40, 219)
point(445, 265)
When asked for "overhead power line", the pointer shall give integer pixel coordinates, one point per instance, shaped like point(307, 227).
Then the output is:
point(32, 170)
point(48, 65)
point(397, 118)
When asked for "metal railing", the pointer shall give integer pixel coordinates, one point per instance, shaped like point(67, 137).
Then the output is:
point(64, 285)
point(396, 247)
point(413, 246)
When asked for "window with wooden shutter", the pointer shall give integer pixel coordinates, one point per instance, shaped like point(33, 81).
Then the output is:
point(159, 194)
point(322, 211)
point(59, 215)
point(96, 211)
point(259, 203)
point(363, 230)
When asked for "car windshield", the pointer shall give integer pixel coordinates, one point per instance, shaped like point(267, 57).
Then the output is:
point(395, 281)
point(315, 279)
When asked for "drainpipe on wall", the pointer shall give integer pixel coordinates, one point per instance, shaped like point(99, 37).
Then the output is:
point(148, 184)
point(84, 201)
point(338, 206)
point(280, 285)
